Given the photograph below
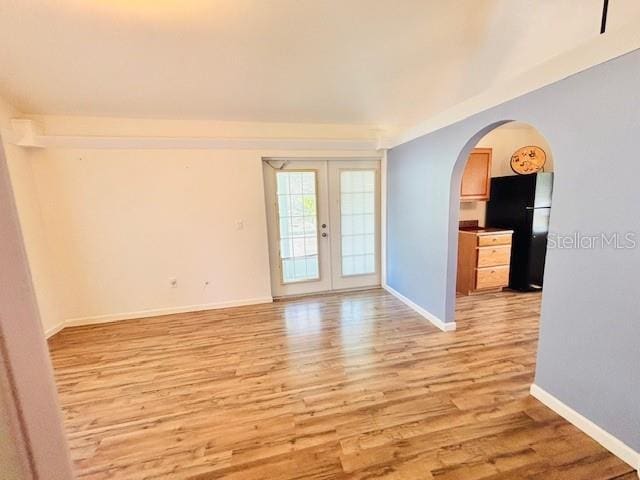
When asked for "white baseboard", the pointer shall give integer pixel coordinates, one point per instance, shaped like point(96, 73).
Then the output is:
point(444, 326)
point(74, 322)
point(50, 332)
point(604, 438)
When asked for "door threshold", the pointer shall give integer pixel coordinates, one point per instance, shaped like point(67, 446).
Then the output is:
point(326, 292)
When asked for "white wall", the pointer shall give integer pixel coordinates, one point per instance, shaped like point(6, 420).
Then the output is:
point(505, 141)
point(121, 223)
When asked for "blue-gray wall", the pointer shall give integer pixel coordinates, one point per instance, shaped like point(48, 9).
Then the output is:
point(589, 350)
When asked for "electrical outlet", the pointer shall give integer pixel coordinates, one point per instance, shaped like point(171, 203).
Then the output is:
point(173, 282)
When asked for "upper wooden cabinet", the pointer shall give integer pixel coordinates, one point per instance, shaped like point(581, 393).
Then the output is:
point(476, 180)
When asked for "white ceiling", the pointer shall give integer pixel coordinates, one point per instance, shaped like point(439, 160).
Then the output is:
point(382, 62)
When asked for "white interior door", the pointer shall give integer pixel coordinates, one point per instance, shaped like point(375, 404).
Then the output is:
point(324, 225)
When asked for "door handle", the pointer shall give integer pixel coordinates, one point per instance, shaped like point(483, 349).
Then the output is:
point(324, 235)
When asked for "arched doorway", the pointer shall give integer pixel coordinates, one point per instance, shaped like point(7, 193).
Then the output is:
point(500, 209)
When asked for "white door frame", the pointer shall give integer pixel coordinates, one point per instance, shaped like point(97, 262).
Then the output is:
point(382, 158)
point(383, 220)
point(34, 411)
point(323, 283)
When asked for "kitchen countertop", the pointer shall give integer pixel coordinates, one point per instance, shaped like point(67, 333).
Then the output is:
point(485, 230)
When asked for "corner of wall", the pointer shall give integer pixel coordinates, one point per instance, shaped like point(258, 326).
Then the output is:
point(27, 202)
point(437, 322)
point(604, 438)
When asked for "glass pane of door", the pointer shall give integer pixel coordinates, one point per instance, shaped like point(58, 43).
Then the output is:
point(298, 225)
point(358, 221)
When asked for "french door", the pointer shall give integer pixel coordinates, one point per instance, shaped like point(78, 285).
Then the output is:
point(324, 225)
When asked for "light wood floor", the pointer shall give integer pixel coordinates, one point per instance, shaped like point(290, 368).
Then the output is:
point(340, 386)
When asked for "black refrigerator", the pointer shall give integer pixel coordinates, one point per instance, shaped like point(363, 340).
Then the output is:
point(522, 203)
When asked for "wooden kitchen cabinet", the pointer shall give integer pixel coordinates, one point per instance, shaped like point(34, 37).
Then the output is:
point(484, 256)
point(476, 179)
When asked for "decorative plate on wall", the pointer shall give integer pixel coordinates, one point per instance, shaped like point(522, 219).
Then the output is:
point(527, 160)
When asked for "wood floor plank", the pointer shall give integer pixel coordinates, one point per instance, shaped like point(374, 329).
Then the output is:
point(335, 386)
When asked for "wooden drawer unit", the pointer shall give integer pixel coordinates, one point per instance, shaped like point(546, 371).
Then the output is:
point(483, 260)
